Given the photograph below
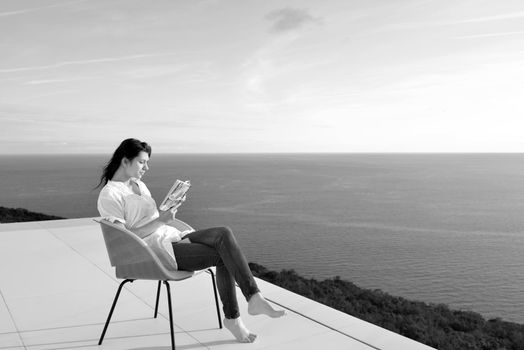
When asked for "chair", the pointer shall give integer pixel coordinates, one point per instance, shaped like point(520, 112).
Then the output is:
point(134, 260)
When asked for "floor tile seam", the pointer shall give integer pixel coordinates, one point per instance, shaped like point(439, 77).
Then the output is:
point(166, 318)
point(310, 335)
point(100, 269)
point(11, 348)
point(115, 280)
point(95, 340)
point(161, 333)
point(324, 325)
point(50, 329)
point(82, 256)
point(12, 319)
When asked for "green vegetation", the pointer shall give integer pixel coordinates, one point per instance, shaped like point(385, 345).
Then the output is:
point(20, 214)
point(431, 324)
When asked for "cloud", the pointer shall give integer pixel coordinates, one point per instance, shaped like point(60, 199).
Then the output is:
point(489, 35)
point(54, 81)
point(288, 19)
point(53, 92)
point(34, 117)
point(198, 121)
point(493, 18)
point(34, 9)
point(85, 62)
point(444, 23)
point(163, 70)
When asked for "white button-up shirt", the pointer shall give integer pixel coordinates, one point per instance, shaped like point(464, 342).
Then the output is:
point(118, 203)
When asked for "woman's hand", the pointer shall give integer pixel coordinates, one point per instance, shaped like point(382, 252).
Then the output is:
point(167, 216)
point(178, 202)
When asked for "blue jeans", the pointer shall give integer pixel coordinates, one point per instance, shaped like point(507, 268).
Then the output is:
point(218, 247)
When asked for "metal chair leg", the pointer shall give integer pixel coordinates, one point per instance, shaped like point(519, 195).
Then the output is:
point(216, 298)
point(112, 309)
point(156, 306)
point(170, 315)
point(157, 298)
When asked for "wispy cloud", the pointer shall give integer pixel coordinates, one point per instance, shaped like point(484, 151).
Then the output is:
point(489, 35)
point(85, 62)
point(197, 71)
point(154, 71)
point(287, 19)
point(54, 81)
point(34, 9)
point(43, 95)
point(201, 121)
point(30, 115)
point(265, 63)
point(430, 24)
point(500, 17)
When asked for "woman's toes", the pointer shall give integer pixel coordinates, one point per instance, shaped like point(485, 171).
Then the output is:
point(239, 330)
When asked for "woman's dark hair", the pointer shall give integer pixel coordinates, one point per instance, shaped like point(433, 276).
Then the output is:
point(129, 148)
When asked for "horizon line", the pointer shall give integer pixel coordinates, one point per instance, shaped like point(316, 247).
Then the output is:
point(276, 153)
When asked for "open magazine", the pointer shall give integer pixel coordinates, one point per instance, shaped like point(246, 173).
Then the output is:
point(177, 192)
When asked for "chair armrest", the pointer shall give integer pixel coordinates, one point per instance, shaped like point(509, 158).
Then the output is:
point(181, 226)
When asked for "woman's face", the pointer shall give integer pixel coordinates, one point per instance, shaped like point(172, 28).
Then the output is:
point(138, 166)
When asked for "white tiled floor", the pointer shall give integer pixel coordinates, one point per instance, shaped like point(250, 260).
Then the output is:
point(57, 286)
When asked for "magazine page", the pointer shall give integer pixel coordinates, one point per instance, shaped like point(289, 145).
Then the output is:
point(173, 196)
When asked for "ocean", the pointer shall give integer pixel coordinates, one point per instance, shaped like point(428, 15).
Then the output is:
point(439, 228)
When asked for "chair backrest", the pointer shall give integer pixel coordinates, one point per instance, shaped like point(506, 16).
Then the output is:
point(131, 256)
point(123, 246)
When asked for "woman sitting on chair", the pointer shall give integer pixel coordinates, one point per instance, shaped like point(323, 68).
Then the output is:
point(126, 200)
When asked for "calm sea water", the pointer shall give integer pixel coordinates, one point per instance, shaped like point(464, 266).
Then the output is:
point(437, 228)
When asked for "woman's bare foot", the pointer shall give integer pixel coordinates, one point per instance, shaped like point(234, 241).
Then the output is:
point(239, 330)
point(257, 305)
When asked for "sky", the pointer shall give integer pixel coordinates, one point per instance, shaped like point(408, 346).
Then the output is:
point(209, 76)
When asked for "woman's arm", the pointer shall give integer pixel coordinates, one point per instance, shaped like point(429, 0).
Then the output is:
point(165, 218)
